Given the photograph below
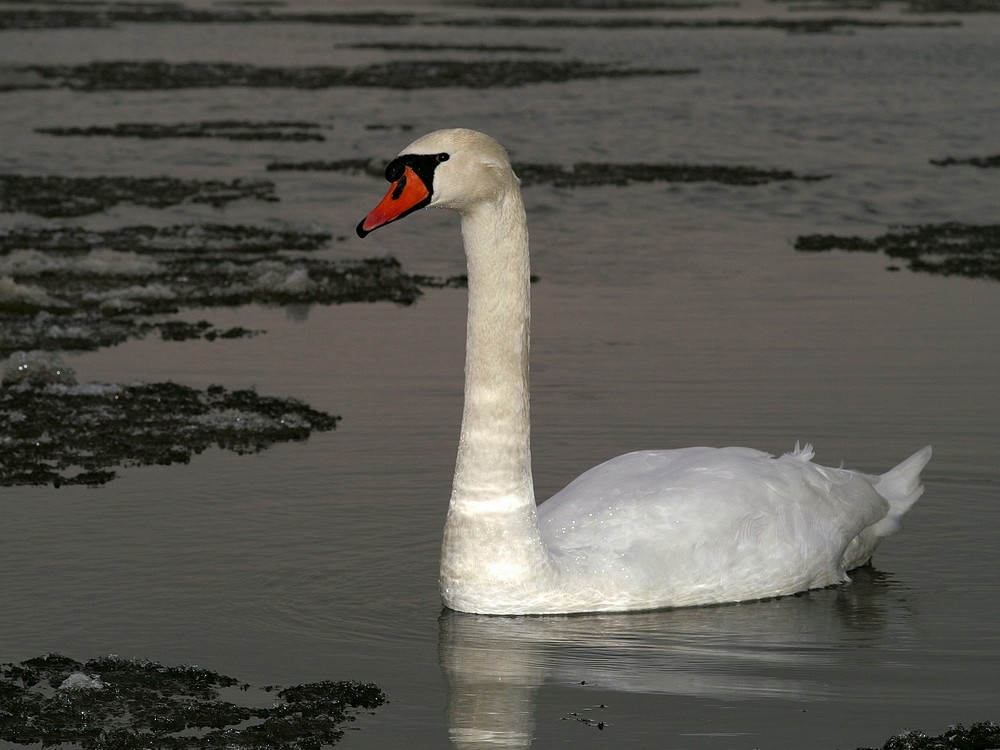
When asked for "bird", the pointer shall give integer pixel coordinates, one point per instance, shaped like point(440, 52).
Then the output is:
point(651, 529)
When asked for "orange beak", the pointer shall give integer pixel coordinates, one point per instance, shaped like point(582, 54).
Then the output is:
point(406, 195)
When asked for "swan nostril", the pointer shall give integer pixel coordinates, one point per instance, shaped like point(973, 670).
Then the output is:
point(399, 188)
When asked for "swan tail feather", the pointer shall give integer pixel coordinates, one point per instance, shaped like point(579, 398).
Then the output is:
point(901, 487)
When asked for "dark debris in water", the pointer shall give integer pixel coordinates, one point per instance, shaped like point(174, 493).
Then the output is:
point(112, 703)
point(600, 5)
point(228, 238)
point(58, 432)
point(589, 174)
point(586, 174)
point(912, 6)
point(983, 735)
point(954, 6)
point(156, 75)
point(83, 331)
point(233, 130)
point(814, 25)
point(950, 249)
point(111, 14)
point(53, 196)
point(425, 47)
point(983, 162)
point(71, 288)
point(370, 167)
point(102, 15)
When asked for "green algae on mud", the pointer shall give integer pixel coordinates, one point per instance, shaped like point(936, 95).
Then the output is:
point(59, 432)
point(588, 174)
point(159, 75)
point(112, 703)
point(53, 196)
point(949, 249)
point(233, 130)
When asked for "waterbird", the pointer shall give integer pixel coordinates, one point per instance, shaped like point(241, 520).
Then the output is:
point(646, 530)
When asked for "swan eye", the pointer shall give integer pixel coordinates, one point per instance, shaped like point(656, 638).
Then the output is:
point(394, 170)
point(442, 157)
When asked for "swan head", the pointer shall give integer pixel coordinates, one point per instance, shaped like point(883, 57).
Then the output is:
point(456, 168)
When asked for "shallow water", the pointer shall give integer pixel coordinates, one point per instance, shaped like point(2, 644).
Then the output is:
point(665, 315)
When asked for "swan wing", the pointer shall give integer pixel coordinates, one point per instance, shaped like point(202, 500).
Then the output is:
point(710, 524)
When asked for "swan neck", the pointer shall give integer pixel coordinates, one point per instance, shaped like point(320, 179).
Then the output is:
point(494, 462)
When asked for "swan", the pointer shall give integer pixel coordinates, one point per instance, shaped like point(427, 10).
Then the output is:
point(646, 530)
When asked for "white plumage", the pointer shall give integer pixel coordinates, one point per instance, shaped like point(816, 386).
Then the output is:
point(645, 530)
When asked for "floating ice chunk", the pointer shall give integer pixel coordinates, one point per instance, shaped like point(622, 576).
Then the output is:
point(279, 279)
point(81, 681)
point(37, 368)
point(127, 298)
point(65, 333)
point(236, 420)
point(136, 291)
point(297, 281)
point(100, 390)
point(95, 262)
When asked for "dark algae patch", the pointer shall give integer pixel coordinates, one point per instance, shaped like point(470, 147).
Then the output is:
point(229, 238)
point(104, 15)
point(368, 167)
point(599, 5)
point(71, 288)
point(56, 431)
point(912, 6)
point(233, 130)
point(950, 249)
point(60, 197)
point(791, 25)
point(112, 14)
point(954, 6)
point(112, 703)
point(589, 174)
point(423, 47)
point(586, 174)
point(156, 75)
point(983, 162)
point(983, 735)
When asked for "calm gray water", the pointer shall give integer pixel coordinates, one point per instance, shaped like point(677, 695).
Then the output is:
point(665, 316)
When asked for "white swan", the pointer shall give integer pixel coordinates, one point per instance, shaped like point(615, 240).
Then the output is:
point(645, 530)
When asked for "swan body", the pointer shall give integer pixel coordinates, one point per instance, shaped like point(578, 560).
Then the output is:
point(650, 529)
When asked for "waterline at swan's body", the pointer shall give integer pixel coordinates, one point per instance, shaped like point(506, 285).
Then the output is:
point(644, 530)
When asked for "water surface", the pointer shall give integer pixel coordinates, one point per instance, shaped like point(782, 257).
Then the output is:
point(665, 315)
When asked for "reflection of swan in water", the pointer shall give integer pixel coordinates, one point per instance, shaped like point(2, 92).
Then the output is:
point(782, 648)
